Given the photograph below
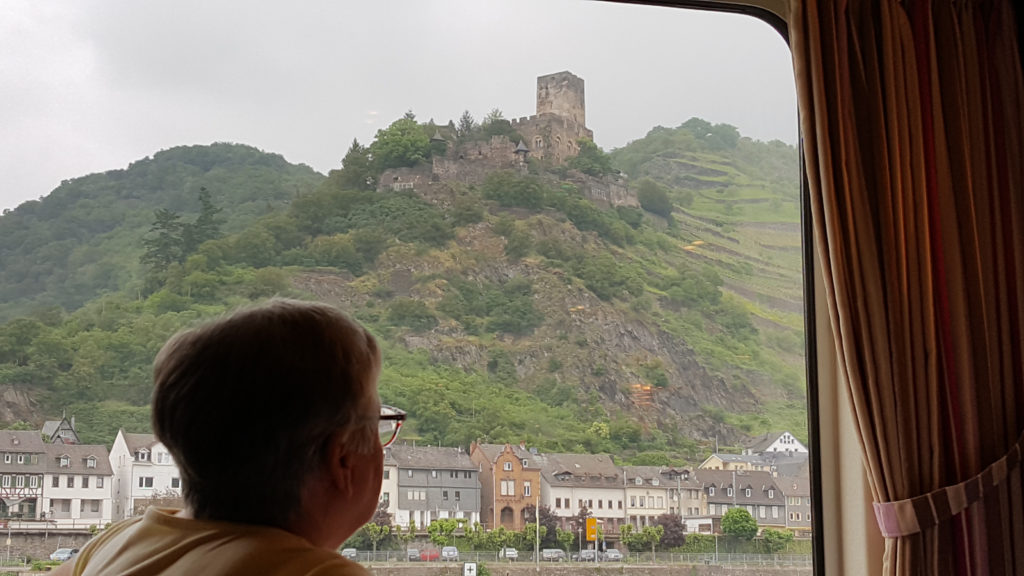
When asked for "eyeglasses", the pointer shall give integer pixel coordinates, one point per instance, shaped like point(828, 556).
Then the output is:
point(391, 419)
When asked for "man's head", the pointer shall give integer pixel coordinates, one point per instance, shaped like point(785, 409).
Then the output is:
point(252, 406)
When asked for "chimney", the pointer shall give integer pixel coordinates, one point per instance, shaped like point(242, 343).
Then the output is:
point(522, 445)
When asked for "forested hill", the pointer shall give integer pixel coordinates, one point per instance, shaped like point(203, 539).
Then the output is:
point(514, 309)
point(83, 239)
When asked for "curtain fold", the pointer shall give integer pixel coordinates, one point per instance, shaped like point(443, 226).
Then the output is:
point(912, 116)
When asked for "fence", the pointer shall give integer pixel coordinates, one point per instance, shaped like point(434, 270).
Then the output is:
point(659, 558)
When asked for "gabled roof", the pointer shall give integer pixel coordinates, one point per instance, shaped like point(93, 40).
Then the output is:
point(136, 442)
point(579, 470)
point(795, 486)
point(21, 441)
point(667, 477)
point(492, 451)
point(431, 457)
point(77, 455)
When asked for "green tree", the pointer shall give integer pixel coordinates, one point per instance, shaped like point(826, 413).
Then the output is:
point(403, 143)
point(738, 523)
point(510, 189)
point(591, 160)
point(164, 246)
point(776, 541)
point(206, 226)
point(441, 531)
point(653, 198)
point(466, 124)
point(377, 533)
point(411, 313)
point(357, 170)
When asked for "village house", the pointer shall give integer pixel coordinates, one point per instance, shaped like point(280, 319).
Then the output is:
point(509, 484)
point(574, 482)
point(389, 485)
point(797, 491)
point(60, 431)
point(144, 474)
point(22, 466)
point(757, 492)
point(646, 494)
point(77, 485)
point(435, 482)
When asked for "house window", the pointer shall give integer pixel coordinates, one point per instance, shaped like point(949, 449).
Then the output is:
point(385, 497)
point(7, 458)
point(508, 487)
point(21, 458)
point(711, 490)
point(453, 474)
point(639, 481)
point(750, 510)
point(527, 489)
point(632, 501)
point(747, 492)
point(433, 473)
point(85, 481)
point(661, 502)
point(144, 455)
point(410, 495)
point(507, 466)
point(762, 511)
point(175, 482)
point(99, 481)
point(145, 481)
point(33, 481)
point(771, 493)
point(711, 509)
point(444, 495)
point(600, 503)
point(642, 502)
point(797, 516)
point(609, 504)
point(94, 505)
point(620, 504)
point(775, 511)
point(467, 474)
point(387, 474)
point(725, 508)
point(558, 502)
point(579, 503)
point(55, 482)
point(728, 491)
point(65, 461)
point(409, 473)
point(458, 496)
point(90, 462)
point(69, 481)
point(19, 481)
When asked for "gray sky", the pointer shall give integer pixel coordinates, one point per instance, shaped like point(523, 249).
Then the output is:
point(92, 85)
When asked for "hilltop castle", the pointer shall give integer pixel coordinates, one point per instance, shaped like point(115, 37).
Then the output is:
point(550, 135)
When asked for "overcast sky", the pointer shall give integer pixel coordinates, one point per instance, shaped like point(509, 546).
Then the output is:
point(88, 86)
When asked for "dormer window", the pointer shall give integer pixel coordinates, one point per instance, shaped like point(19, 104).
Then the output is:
point(747, 492)
point(639, 481)
point(771, 493)
point(525, 463)
point(7, 458)
point(21, 458)
point(90, 462)
point(728, 491)
point(65, 461)
point(507, 467)
point(142, 455)
point(711, 490)
point(655, 482)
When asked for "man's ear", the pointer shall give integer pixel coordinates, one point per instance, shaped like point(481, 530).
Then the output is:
point(339, 465)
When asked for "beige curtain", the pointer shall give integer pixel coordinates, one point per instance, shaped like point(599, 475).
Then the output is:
point(911, 114)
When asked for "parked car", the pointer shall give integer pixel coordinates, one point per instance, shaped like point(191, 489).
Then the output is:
point(64, 554)
point(552, 555)
point(429, 554)
point(450, 554)
point(586, 556)
point(510, 554)
point(413, 554)
point(612, 555)
point(350, 553)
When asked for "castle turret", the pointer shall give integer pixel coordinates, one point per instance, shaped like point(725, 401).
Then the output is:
point(561, 93)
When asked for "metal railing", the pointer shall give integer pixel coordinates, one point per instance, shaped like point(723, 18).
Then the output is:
point(659, 558)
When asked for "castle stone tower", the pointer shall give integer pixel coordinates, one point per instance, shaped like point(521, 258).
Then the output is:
point(561, 93)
